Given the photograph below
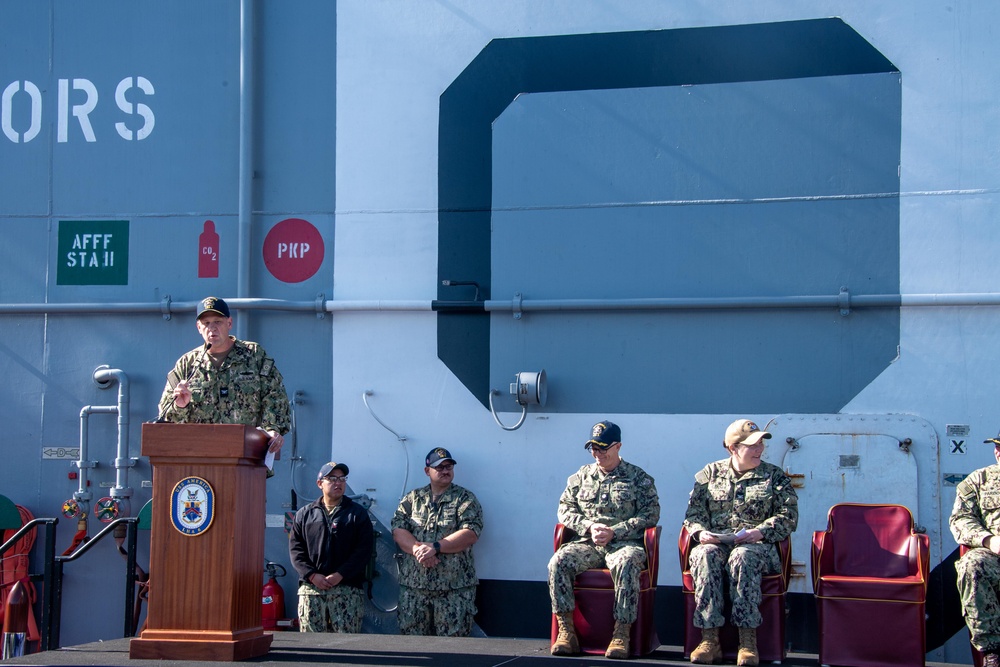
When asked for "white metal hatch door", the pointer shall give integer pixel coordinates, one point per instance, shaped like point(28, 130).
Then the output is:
point(841, 462)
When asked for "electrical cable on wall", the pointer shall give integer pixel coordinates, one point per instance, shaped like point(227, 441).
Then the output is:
point(400, 438)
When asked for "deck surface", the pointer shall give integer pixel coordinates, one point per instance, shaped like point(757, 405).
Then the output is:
point(383, 650)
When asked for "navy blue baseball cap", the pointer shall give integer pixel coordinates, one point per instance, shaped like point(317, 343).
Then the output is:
point(330, 467)
point(213, 304)
point(995, 441)
point(437, 456)
point(603, 435)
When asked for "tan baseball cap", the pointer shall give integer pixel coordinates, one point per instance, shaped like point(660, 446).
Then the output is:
point(744, 432)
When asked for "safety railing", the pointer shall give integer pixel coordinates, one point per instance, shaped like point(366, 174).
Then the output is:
point(52, 576)
point(56, 580)
point(49, 547)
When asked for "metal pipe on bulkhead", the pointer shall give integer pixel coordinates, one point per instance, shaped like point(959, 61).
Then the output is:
point(83, 464)
point(246, 157)
point(168, 308)
point(103, 376)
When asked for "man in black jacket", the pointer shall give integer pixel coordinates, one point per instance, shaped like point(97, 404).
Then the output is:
point(330, 545)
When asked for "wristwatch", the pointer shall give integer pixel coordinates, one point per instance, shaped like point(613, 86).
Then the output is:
point(437, 548)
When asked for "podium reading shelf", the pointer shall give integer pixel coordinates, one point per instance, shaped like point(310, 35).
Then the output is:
point(206, 543)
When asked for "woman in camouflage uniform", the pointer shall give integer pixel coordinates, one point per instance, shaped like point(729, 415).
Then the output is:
point(739, 509)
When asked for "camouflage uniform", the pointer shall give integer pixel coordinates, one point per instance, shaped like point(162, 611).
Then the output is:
point(722, 502)
point(975, 517)
point(438, 600)
point(624, 499)
point(338, 609)
point(246, 389)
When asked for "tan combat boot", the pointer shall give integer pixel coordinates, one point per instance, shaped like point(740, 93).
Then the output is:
point(566, 642)
point(748, 648)
point(618, 648)
point(708, 652)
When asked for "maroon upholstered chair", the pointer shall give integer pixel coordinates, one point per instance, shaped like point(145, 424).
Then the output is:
point(869, 571)
point(595, 599)
point(771, 633)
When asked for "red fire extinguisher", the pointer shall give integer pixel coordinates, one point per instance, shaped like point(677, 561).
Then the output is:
point(273, 598)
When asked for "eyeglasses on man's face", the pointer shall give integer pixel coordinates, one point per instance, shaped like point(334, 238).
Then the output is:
point(336, 480)
point(445, 467)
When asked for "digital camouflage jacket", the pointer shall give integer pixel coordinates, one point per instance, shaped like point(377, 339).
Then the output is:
point(762, 498)
point(624, 499)
point(246, 389)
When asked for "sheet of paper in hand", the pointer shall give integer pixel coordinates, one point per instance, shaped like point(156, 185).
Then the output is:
point(728, 538)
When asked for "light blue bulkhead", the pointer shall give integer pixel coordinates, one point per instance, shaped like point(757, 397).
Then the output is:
point(667, 164)
point(183, 172)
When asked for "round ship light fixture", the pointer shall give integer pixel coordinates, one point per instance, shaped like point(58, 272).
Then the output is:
point(528, 388)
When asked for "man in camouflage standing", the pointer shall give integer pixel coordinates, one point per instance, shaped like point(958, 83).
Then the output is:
point(226, 381)
point(435, 526)
point(975, 523)
point(608, 504)
point(739, 509)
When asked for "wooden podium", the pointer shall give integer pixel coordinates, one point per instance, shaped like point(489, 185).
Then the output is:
point(206, 558)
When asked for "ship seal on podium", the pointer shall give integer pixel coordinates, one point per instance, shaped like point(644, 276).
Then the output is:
point(192, 506)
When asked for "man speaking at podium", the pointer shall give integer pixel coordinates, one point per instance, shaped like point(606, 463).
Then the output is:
point(226, 381)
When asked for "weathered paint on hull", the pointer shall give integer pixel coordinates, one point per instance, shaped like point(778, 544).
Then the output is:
point(659, 203)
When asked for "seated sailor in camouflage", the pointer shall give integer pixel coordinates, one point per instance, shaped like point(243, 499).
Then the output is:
point(435, 526)
point(975, 522)
point(330, 545)
point(608, 504)
point(226, 381)
point(739, 509)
